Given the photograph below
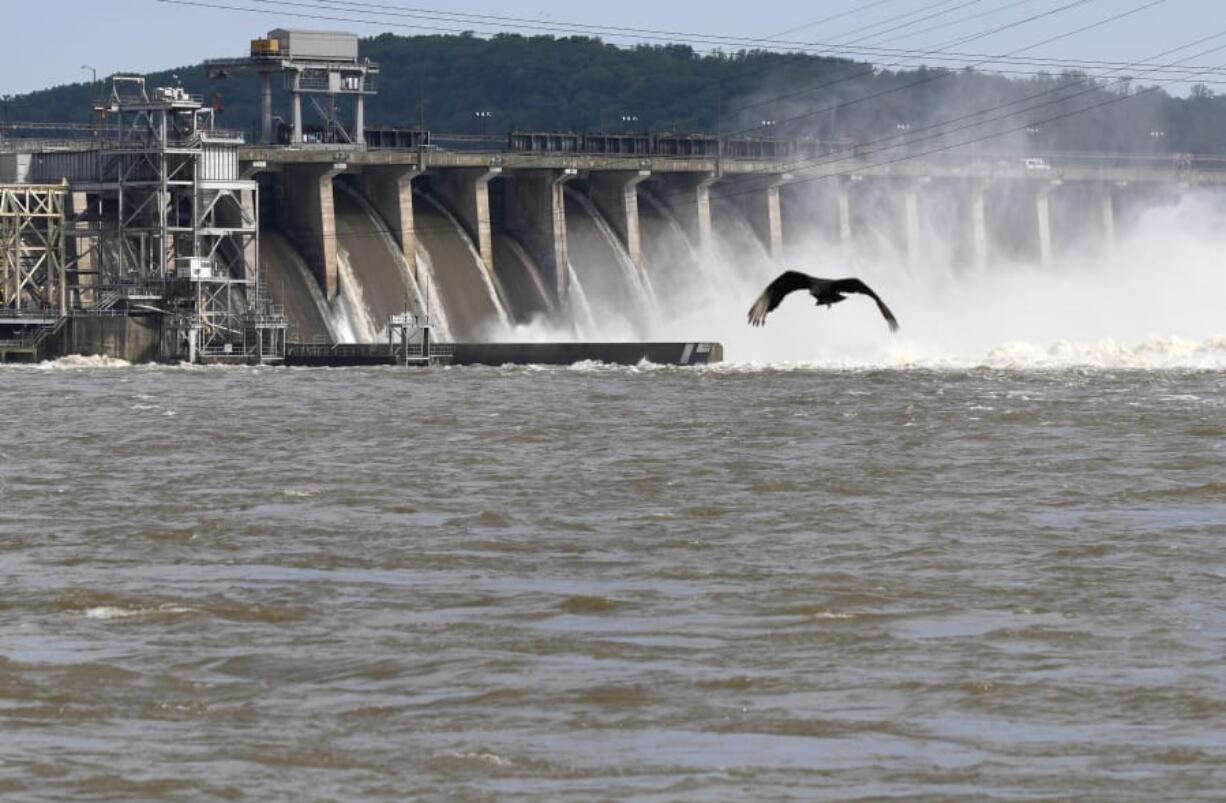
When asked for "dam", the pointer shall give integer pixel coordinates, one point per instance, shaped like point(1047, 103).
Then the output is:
point(165, 237)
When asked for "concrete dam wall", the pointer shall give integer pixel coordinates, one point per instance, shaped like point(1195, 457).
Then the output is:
point(493, 254)
point(468, 295)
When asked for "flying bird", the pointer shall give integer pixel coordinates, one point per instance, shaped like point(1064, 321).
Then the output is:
point(826, 291)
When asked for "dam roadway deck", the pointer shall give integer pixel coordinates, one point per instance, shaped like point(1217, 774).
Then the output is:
point(1089, 168)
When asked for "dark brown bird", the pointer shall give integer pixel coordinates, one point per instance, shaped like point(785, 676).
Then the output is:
point(826, 291)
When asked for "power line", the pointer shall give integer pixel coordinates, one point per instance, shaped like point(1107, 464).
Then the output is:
point(1054, 38)
point(805, 56)
point(872, 70)
point(975, 16)
point(985, 59)
point(808, 164)
point(903, 25)
point(910, 137)
point(1046, 13)
point(911, 140)
point(866, 72)
point(983, 138)
point(945, 74)
point(831, 18)
point(673, 37)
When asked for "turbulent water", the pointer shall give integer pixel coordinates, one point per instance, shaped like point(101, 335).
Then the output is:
point(981, 558)
point(733, 582)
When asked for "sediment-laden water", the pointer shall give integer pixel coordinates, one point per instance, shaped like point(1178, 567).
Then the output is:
point(589, 583)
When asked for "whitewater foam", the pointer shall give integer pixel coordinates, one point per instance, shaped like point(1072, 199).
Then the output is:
point(115, 612)
point(75, 361)
point(349, 310)
point(638, 280)
point(436, 311)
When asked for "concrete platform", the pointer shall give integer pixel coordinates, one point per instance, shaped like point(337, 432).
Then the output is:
point(358, 354)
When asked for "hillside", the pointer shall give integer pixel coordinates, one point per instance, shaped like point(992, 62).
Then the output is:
point(584, 84)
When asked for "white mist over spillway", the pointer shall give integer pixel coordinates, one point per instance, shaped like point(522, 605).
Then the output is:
point(1155, 298)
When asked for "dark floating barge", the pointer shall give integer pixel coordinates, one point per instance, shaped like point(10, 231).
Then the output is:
point(144, 337)
point(357, 354)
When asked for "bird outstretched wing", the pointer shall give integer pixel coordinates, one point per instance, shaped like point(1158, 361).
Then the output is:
point(784, 283)
point(857, 286)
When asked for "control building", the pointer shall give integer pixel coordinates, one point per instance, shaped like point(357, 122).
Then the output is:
point(320, 67)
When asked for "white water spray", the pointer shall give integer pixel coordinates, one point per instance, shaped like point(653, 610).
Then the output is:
point(580, 302)
point(635, 278)
point(436, 310)
point(348, 314)
point(394, 251)
point(1154, 300)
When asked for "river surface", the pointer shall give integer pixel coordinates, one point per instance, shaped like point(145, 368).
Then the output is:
point(590, 583)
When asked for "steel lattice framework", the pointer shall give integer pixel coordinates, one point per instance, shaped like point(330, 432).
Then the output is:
point(32, 249)
point(182, 230)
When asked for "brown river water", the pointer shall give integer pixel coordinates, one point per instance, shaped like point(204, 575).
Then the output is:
point(594, 583)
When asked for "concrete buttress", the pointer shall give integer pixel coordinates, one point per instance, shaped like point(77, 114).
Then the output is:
point(845, 217)
point(466, 192)
point(1042, 208)
point(615, 193)
point(536, 215)
point(390, 191)
point(759, 198)
point(979, 226)
point(688, 197)
point(1108, 208)
point(309, 210)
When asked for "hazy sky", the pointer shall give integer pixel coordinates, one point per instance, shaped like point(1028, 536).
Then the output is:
point(45, 43)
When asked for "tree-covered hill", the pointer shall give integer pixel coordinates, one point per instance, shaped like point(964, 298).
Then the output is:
point(583, 84)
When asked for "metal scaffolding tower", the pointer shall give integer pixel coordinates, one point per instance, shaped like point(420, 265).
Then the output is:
point(32, 251)
point(152, 220)
point(183, 234)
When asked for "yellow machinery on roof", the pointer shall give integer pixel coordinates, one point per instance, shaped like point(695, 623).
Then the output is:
point(264, 48)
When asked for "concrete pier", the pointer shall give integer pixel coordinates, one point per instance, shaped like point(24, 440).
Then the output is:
point(774, 217)
point(616, 195)
point(310, 214)
point(535, 214)
point(389, 188)
point(296, 105)
point(702, 199)
point(467, 193)
point(688, 196)
point(267, 135)
point(1107, 199)
point(979, 226)
point(911, 223)
point(845, 233)
point(1043, 219)
point(760, 202)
